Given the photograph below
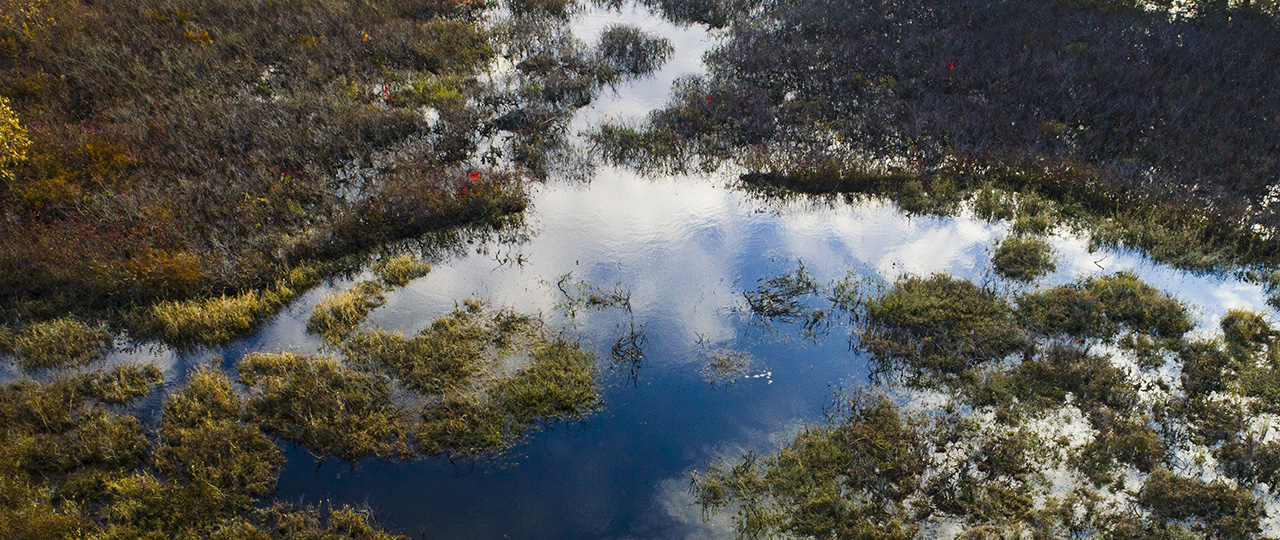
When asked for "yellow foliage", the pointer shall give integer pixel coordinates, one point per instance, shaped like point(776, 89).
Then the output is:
point(13, 137)
point(23, 16)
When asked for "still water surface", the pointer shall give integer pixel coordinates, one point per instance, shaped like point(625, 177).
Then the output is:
point(685, 247)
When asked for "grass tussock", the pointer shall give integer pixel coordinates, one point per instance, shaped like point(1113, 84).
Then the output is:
point(331, 409)
point(220, 319)
point(59, 344)
point(939, 326)
point(205, 441)
point(398, 271)
point(1023, 258)
point(339, 313)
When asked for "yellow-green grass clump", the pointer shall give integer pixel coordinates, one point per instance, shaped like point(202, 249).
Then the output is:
point(845, 479)
point(1023, 258)
point(491, 374)
point(398, 271)
point(448, 352)
point(218, 320)
point(331, 409)
point(60, 426)
point(339, 313)
point(205, 442)
point(59, 344)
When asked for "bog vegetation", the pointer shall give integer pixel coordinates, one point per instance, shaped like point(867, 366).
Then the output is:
point(77, 462)
point(1085, 409)
point(173, 150)
point(1148, 123)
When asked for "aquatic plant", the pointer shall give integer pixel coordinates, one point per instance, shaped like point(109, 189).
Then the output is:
point(204, 441)
point(938, 326)
point(330, 409)
point(398, 271)
point(847, 478)
point(1023, 258)
point(216, 320)
point(337, 314)
point(725, 365)
point(59, 344)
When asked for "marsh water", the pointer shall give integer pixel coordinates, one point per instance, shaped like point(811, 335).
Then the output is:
point(685, 247)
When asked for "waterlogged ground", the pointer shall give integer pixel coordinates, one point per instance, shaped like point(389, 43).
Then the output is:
point(684, 249)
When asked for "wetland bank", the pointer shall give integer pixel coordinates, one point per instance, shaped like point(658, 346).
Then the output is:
point(806, 295)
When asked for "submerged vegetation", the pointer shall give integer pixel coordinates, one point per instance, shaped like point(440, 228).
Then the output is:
point(1058, 416)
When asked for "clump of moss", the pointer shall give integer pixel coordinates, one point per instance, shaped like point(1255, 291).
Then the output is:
point(398, 271)
point(59, 344)
point(339, 313)
point(938, 326)
point(220, 319)
point(331, 409)
point(1216, 508)
point(1023, 258)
